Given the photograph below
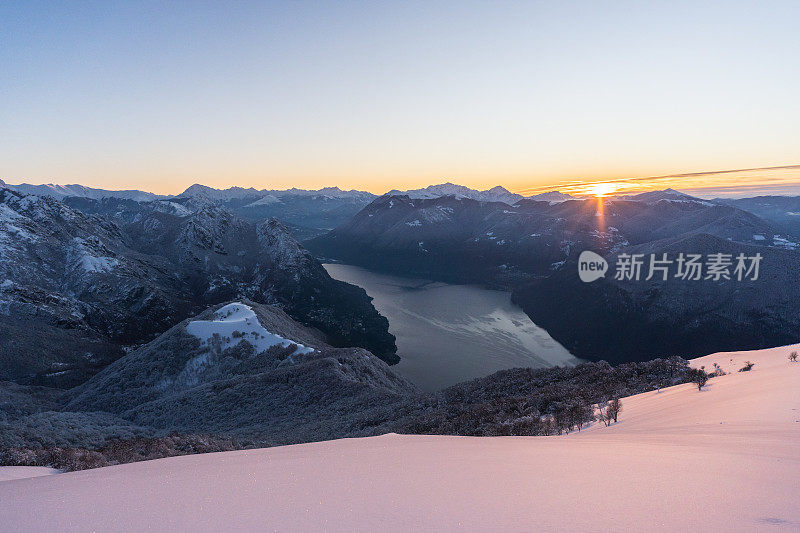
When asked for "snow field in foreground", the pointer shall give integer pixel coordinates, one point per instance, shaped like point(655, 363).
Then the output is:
point(724, 459)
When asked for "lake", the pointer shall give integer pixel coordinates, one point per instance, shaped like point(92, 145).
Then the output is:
point(452, 333)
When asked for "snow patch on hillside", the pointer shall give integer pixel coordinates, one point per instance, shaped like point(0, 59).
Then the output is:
point(234, 323)
point(83, 254)
point(174, 208)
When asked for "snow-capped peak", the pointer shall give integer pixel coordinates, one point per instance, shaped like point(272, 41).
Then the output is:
point(495, 194)
point(209, 193)
point(553, 197)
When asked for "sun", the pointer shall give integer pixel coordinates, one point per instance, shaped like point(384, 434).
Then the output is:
point(602, 189)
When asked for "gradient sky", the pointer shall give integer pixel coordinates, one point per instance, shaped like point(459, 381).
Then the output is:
point(160, 95)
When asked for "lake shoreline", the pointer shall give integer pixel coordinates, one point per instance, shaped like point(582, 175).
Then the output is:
point(449, 333)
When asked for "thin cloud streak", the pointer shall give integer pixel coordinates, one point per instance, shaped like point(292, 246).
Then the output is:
point(752, 179)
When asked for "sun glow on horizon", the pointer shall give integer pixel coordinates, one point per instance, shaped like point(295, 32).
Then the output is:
point(602, 189)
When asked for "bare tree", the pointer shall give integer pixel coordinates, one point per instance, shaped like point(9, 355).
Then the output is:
point(700, 377)
point(614, 408)
point(793, 357)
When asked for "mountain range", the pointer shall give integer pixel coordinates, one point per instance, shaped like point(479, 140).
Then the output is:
point(308, 213)
point(469, 241)
point(93, 267)
point(90, 286)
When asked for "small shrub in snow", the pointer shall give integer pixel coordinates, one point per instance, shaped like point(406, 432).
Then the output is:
point(793, 357)
point(748, 365)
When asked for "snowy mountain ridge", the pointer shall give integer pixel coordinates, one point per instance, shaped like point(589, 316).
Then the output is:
point(61, 191)
point(201, 192)
point(495, 194)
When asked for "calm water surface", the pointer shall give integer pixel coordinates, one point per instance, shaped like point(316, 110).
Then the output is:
point(451, 333)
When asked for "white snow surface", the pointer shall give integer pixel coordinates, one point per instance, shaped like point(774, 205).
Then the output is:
point(238, 317)
point(7, 473)
point(724, 459)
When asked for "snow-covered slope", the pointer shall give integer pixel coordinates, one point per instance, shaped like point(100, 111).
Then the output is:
point(235, 322)
point(724, 459)
point(7, 473)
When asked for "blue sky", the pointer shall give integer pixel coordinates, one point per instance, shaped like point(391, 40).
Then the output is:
point(159, 95)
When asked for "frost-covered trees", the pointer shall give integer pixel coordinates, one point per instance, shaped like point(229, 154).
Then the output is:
point(492, 405)
point(572, 413)
point(608, 411)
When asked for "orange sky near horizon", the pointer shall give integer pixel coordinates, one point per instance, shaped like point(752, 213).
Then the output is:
point(732, 182)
